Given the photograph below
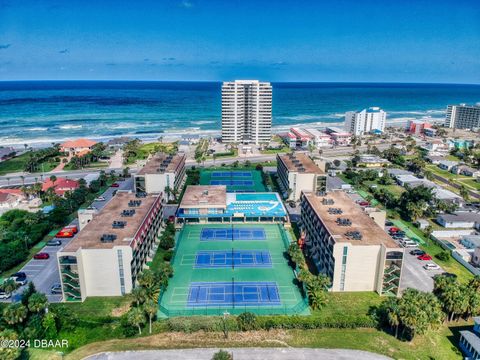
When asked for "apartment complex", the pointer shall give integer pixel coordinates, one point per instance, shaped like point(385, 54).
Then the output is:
point(463, 116)
point(365, 121)
point(296, 173)
point(246, 112)
point(112, 248)
point(346, 244)
point(162, 174)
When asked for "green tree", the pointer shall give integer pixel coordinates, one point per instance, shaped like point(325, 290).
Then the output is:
point(50, 326)
point(464, 193)
point(15, 314)
point(151, 309)
point(9, 286)
point(136, 317)
point(37, 302)
point(139, 295)
point(7, 352)
point(247, 321)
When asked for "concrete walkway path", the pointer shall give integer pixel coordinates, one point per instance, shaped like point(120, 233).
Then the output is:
point(242, 354)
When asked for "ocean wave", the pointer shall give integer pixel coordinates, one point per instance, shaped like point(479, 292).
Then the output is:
point(36, 129)
point(70, 127)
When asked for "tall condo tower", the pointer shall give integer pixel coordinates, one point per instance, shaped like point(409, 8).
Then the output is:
point(463, 116)
point(360, 122)
point(246, 112)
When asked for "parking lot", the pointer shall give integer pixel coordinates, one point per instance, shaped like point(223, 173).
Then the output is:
point(44, 273)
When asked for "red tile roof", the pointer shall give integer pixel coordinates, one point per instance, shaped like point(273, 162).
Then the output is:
point(61, 185)
point(79, 143)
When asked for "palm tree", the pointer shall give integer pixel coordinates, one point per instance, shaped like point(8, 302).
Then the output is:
point(15, 314)
point(317, 299)
point(136, 317)
point(464, 193)
point(393, 313)
point(37, 302)
point(139, 295)
point(22, 177)
point(150, 308)
point(9, 286)
point(53, 179)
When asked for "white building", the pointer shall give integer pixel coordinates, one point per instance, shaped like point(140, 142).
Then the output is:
point(463, 116)
point(246, 112)
point(361, 122)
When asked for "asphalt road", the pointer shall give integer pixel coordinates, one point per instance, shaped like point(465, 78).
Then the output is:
point(455, 185)
point(44, 273)
point(242, 354)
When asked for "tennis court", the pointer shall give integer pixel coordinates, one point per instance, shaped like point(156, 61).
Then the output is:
point(234, 180)
point(233, 294)
point(212, 276)
point(232, 234)
point(233, 258)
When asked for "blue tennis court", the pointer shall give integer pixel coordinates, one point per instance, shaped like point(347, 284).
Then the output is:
point(228, 182)
point(235, 259)
point(233, 294)
point(231, 174)
point(218, 234)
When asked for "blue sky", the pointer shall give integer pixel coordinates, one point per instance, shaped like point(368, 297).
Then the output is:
point(337, 40)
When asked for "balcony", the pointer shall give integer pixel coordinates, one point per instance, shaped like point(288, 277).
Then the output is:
point(67, 261)
point(70, 274)
point(71, 283)
point(392, 268)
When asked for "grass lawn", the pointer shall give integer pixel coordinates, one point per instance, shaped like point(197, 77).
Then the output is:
point(284, 149)
point(444, 173)
point(470, 182)
point(439, 345)
point(348, 304)
point(97, 307)
point(150, 148)
point(17, 164)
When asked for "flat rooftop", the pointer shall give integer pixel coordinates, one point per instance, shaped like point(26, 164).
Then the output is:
point(293, 162)
point(372, 234)
point(204, 196)
point(161, 163)
point(89, 237)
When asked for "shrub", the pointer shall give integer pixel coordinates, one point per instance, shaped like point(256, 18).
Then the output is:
point(168, 255)
point(222, 355)
point(443, 256)
point(247, 321)
point(167, 241)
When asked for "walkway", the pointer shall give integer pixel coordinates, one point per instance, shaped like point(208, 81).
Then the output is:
point(243, 354)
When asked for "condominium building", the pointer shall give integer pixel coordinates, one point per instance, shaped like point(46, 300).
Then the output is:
point(463, 116)
point(246, 112)
point(106, 256)
point(162, 174)
point(347, 245)
point(296, 173)
point(365, 121)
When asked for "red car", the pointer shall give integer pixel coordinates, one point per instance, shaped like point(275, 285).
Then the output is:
point(424, 257)
point(41, 256)
point(115, 185)
point(393, 230)
point(363, 203)
point(72, 228)
point(65, 233)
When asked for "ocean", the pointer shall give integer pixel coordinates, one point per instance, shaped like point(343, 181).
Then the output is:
point(41, 112)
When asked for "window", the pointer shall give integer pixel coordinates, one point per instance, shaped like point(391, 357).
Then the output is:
point(344, 268)
point(120, 271)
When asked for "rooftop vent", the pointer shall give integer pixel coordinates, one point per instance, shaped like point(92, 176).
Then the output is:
point(105, 238)
point(336, 211)
point(134, 203)
point(344, 222)
point(205, 192)
point(128, 213)
point(326, 201)
point(355, 235)
point(119, 224)
point(141, 194)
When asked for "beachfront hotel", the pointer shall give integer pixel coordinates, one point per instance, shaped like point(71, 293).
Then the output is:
point(162, 173)
point(109, 252)
point(246, 112)
point(213, 204)
point(348, 245)
point(463, 116)
point(365, 121)
point(296, 173)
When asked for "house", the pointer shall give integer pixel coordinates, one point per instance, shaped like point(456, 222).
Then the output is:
point(60, 185)
point(470, 241)
point(470, 341)
point(431, 132)
point(75, 147)
point(408, 179)
point(339, 137)
point(435, 159)
point(9, 201)
point(460, 219)
point(422, 224)
point(394, 172)
point(371, 161)
point(465, 170)
point(447, 164)
point(320, 139)
point(436, 145)
point(417, 127)
point(460, 143)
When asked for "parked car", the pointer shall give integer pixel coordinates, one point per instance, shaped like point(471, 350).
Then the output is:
point(417, 252)
point(56, 289)
point(447, 274)
point(100, 198)
point(54, 243)
point(408, 243)
point(20, 278)
point(389, 223)
point(72, 228)
point(5, 295)
point(424, 257)
point(363, 203)
point(115, 185)
point(393, 230)
point(41, 256)
point(431, 266)
point(65, 234)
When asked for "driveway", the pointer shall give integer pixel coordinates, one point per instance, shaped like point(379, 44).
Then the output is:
point(44, 273)
point(415, 276)
point(242, 354)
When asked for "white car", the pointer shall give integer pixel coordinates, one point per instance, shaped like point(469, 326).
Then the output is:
point(100, 198)
point(4, 295)
point(431, 266)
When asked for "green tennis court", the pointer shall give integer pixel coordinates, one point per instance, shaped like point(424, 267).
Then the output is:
point(230, 274)
point(234, 180)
